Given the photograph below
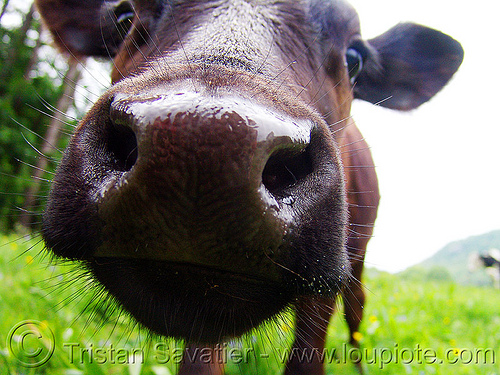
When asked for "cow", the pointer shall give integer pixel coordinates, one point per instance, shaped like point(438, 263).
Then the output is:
point(489, 260)
point(221, 179)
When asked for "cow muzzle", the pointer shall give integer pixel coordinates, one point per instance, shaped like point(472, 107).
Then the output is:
point(200, 180)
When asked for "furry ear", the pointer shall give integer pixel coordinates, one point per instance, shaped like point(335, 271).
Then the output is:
point(406, 66)
point(87, 27)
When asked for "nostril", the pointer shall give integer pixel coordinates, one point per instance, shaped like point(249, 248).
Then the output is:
point(286, 168)
point(122, 146)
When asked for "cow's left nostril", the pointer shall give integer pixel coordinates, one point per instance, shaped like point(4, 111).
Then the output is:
point(122, 145)
point(285, 168)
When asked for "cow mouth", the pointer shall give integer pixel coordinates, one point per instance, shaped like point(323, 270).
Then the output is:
point(192, 269)
point(188, 301)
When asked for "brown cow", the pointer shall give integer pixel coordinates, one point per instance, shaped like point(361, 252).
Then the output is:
point(221, 178)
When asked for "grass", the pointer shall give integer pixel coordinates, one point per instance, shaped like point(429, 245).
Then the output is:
point(410, 327)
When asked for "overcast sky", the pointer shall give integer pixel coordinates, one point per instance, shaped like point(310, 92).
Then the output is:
point(438, 166)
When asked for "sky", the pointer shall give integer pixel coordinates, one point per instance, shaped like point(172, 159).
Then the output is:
point(438, 166)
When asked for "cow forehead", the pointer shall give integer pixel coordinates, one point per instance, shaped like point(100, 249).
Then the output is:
point(335, 17)
point(243, 32)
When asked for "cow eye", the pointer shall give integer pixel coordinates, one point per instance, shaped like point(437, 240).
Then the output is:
point(124, 14)
point(354, 61)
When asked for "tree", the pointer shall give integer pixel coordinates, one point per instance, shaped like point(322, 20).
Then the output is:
point(28, 96)
point(49, 141)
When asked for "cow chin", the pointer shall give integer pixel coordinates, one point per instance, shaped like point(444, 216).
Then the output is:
point(190, 302)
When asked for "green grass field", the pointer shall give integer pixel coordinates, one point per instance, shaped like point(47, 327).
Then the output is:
point(410, 327)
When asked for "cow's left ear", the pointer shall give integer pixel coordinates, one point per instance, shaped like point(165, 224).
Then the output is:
point(406, 66)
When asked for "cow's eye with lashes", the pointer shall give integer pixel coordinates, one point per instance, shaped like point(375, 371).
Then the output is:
point(354, 62)
point(124, 14)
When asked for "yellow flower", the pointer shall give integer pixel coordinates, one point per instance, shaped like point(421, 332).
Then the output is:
point(372, 319)
point(29, 259)
point(357, 336)
point(453, 342)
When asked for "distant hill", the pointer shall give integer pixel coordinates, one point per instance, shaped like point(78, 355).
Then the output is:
point(451, 262)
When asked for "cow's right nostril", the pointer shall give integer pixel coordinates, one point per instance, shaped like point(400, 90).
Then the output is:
point(122, 146)
point(285, 168)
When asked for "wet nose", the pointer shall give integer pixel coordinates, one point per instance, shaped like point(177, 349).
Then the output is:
point(201, 144)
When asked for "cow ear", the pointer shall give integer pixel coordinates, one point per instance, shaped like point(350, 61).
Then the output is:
point(406, 66)
point(87, 27)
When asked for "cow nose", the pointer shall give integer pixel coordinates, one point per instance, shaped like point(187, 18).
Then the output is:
point(197, 144)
